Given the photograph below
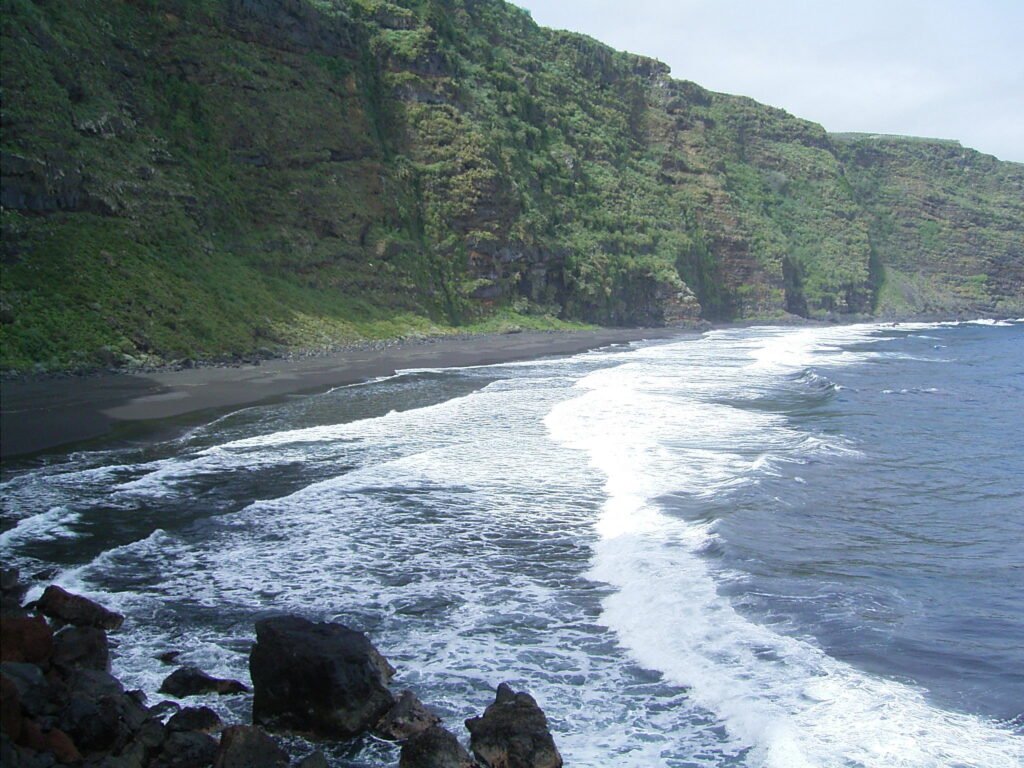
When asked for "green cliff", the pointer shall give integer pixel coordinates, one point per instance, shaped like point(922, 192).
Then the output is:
point(199, 178)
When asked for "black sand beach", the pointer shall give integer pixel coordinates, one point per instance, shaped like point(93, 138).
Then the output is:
point(46, 414)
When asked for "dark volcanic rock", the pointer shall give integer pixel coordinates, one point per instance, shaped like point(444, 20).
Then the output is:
point(187, 749)
point(75, 609)
point(513, 733)
point(10, 708)
point(324, 679)
point(434, 748)
point(407, 717)
point(25, 638)
point(82, 647)
point(35, 693)
point(190, 681)
point(195, 719)
point(247, 746)
point(12, 590)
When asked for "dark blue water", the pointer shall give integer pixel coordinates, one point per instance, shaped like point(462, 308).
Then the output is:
point(757, 547)
point(906, 559)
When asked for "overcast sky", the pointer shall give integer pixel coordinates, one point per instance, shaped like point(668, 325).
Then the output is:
point(941, 68)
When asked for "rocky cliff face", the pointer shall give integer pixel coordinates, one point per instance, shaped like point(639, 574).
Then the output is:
point(194, 178)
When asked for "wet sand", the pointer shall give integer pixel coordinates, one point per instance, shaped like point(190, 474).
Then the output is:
point(42, 415)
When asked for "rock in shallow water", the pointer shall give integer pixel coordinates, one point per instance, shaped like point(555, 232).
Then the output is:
point(434, 748)
point(513, 733)
point(246, 746)
point(324, 679)
point(406, 718)
point(65, 607)
point(191, 681)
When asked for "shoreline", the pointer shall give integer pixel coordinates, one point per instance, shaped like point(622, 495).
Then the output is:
point(56, 413)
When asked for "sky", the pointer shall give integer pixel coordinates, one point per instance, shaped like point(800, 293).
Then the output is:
point(942, 68)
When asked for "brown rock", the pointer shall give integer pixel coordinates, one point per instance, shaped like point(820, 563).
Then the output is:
point(75, 609)
point(25, 638)
point(407, 717)
point(190, 681)
point(60, 745)
point(513, 733)
point(247, 746)
point(434, 748)
point(10, 708)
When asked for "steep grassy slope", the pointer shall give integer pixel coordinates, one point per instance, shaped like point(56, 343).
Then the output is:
point(198, 178)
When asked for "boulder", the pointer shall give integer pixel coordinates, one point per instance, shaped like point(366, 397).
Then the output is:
point(103, 724)
point(434, 748)
point(25, 638)
point(50, 742)
point(247, 746)
point(12, 590)
point(407, 717)
point(82, 647)
point(195, 719)
point(323, 679)
point(65, 607)
point(191, 681)
point(186, 749)
point(10, 708)
point(35, 694)
point(513, 733)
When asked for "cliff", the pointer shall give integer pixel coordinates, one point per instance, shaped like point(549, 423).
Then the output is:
point(198, 178)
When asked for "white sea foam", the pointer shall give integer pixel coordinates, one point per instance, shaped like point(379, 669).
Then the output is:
point(793, 704)
point(460, 534)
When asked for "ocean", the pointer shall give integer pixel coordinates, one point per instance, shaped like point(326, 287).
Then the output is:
point(770, 546)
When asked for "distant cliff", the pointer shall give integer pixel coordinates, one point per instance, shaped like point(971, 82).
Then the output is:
point(197, 178)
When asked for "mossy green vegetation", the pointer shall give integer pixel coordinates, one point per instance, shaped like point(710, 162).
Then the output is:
point(197, 179)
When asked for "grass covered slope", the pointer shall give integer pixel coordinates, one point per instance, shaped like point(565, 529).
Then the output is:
point(190, 179)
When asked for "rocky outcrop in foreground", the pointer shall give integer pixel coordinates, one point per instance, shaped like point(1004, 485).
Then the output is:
point(325, 681)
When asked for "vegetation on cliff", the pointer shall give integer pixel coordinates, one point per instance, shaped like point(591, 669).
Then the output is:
point(189, 179)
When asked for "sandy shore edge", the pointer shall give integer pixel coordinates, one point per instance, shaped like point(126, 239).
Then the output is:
point(38, 416)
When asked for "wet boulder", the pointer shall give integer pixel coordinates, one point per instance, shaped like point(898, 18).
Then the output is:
point(82, 647)
point(247, 746)
point(186, 749)
point(513, 733)
point(406, 718)
point(192, 681)
point(12, 590)
point(195, 719)
point(68, 608)
point(323, 679)
point(434, 748)
point(25, 639)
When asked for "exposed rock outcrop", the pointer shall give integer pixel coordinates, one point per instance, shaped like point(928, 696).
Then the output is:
point(513, 733)
point(247, 746)
point(191, 681)
point(406, 718)
point(434, 748)
point(59, 604)
point(323, 679)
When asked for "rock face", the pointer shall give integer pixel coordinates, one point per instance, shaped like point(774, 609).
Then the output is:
point(513, 733)
point(246, 746)
point(75, 609)
point(190, 681)
point(323, 679)
point(434, 748)
point(563, 179)
point(406, 718)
